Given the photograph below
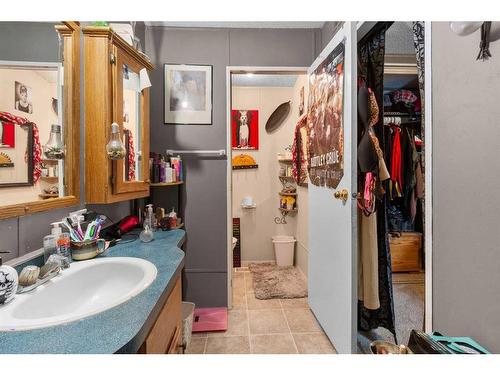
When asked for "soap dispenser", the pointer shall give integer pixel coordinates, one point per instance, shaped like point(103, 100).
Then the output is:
point(62, 244)
point(8, 283)
point(147, 234)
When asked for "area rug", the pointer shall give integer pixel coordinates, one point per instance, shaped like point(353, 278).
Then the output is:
point(271, 281)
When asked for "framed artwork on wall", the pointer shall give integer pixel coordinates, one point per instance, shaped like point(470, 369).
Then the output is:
point(23, 94)
point(16, 164)
point(187, 94)
point(245, 129)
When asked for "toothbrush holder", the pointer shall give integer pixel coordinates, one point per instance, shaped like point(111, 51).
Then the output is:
point(88, 249)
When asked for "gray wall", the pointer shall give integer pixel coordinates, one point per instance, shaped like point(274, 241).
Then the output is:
point(466, 253)
point(37, 41)
point(327, 32)
point(204, 194)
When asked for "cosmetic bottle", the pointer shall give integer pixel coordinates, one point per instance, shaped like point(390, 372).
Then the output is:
point(162, 169)
point(168, 173)
point(62, 244)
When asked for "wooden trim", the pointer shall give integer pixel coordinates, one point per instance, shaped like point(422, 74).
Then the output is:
point(70, 31)
point(106, 31)
point(121, 185)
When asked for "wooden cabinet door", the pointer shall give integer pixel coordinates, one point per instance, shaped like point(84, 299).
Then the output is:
point(165, 335)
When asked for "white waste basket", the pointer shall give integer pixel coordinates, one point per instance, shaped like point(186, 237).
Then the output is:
point(284, 250)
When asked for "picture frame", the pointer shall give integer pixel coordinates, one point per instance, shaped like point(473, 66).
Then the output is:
point(25, 157)
point(187, 94)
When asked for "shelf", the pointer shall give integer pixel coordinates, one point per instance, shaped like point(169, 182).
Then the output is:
point(167, 183)
point(181, 225)
point(286, 210)
point(286, 177)
point(50, 180)
point(285, 160)
point(287, 194)
point(50, 161)
point(46, 196)
point(249, 207)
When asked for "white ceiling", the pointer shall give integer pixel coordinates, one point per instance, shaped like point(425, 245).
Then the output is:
point(264, 80)
point(243, 24)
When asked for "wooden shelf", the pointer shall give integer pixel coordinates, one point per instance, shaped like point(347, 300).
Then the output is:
point(181, 225)
point(285, 210)
point(287, 194)
point(167, 183)
point(286, 177)
point(46, 196)
point(285, 160)
point(50, 180)
point(50, 161)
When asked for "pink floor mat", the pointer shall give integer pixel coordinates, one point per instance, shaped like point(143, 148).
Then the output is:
point(208, 319)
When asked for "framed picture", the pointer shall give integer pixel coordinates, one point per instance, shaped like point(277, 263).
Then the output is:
point(187, 94)
point(16, 164)
point(7, 135)
point(245, 129)
point(22, 95)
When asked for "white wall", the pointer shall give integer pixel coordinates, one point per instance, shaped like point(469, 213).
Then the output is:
point(257, 225)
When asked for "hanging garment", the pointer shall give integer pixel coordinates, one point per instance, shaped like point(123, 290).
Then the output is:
point(396, 173)
point(131, 157)
point(368, 261)
point(299, 151)
point(7, 118)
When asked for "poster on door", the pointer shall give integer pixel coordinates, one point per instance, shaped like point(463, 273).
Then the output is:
point(245, 129)
point(325, 121)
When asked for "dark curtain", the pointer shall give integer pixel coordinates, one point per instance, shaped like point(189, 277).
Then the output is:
point(371, 53)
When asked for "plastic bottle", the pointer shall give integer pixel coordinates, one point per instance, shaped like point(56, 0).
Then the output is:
point(49, 247)
point(172, 219)
point(168, 173)
point(62, 244)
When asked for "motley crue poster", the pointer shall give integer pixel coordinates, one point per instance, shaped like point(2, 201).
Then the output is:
point(325, 121)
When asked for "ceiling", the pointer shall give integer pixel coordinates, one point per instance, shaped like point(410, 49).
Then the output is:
point(243, 24)
point(264, 80)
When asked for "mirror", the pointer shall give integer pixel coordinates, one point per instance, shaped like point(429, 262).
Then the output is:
point(31, 146)
point(132, 119)
point(39, 121)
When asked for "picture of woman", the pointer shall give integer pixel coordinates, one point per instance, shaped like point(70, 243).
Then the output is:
point(22, 95)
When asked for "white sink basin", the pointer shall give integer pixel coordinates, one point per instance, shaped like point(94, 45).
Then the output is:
point(86, 288)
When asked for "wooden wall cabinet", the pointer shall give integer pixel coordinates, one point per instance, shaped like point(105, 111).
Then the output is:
point(108, 58)
point(166, 334)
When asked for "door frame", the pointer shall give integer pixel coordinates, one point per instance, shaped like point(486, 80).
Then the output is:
point(229, 176)
point(362, 29)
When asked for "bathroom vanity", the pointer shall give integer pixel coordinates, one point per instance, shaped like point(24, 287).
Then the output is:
point(149, 322)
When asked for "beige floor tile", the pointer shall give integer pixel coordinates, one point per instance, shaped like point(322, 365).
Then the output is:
point(249, 283)
point(228, 345)
point(261, 304)
point(267, 321)
point(313, 343)
point(197, 345)
point(239, 301)
point(239, 291)
point(198, 334)
point(294, 303)
point(301, 320)
point(237, 324)
point(273, 344)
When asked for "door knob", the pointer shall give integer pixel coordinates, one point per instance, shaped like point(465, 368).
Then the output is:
point(342, 195)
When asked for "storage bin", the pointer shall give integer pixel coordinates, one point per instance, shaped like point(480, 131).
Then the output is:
point(187, 323)
point(406, 252)
point(284, 250)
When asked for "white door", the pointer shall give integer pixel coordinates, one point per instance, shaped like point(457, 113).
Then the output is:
point(332, 266)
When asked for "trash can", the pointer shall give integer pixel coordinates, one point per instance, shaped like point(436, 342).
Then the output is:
point(284, 250)
point(187, 324)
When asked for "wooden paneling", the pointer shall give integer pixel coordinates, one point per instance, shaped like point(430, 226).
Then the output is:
point(406, 252)
point(165, 336)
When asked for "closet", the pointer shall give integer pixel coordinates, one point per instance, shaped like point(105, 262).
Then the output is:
point(390, 183)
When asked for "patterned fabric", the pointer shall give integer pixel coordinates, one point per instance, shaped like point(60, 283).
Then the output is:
point(37, 148)
point(371, 69)
point(405, 96)
point(299, 166)
point(131, 157)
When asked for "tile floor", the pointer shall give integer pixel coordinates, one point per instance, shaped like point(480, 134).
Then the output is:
point(264, 326)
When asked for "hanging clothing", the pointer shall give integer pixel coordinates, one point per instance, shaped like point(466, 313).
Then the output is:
point(368, 262)
point(7, 118)
point(299, 151)
point(371, 68)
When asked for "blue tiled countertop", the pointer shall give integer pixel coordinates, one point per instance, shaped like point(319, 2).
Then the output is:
point(121, 329)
